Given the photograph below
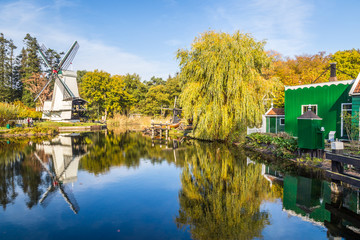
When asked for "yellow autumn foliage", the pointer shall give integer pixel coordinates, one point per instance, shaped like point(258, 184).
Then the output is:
point(223, 85)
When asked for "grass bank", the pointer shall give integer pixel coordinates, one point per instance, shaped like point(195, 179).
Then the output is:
point(281, 146)
point(39, 129)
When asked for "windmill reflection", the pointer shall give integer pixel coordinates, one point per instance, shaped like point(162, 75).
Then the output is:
point(64, 153)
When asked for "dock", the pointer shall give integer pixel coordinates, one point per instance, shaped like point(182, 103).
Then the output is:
point(82, 128)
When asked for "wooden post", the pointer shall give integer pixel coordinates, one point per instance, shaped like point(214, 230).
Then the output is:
point(152, 129)
point(167, 132)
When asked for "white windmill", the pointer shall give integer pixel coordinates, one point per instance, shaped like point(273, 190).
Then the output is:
point(66, 104)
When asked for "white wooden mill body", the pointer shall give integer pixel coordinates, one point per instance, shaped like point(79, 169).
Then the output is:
point(57, 109)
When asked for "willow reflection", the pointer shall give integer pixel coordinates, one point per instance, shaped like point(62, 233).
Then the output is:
point(221, 195)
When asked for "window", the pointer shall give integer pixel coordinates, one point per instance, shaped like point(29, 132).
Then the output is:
point(345, 108)
point(305, 108)
point(282, 121)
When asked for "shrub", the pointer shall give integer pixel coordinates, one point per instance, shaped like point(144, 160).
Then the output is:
point(282, 144)
point(16, 110)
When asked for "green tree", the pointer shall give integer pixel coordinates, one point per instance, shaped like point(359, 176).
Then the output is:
point(8, 83)
point(136, 89)
point(30, 63)
point(348, 63)
point(105, 94)
point(154, 81)
point(155, 98)
point(223, 86)
point(173, 87)
point(4, 96)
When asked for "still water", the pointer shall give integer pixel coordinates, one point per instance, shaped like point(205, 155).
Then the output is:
point(123, 186)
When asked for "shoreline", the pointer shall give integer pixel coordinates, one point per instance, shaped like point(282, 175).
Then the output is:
point(50, 130)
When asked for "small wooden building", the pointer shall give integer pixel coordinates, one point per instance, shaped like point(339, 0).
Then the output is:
point(275, 120)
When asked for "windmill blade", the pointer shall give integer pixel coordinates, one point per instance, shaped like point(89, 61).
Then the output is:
point(68, 93)
point(43, 48)
point(44, 166)
point(47, 196)
point(69, 198)
point(47, 84)
point(69, 56)
point(43, 56)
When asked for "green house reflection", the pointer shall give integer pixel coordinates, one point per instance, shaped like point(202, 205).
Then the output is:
point(312, 200)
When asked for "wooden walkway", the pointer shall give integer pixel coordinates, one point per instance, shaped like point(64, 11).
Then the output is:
point(337, 174)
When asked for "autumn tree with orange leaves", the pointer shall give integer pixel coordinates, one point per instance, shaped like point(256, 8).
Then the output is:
point(35, 83)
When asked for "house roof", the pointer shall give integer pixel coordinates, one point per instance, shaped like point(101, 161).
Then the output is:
point(275, 112)
point(309, 115)
point(355, 89)
point(319, 85)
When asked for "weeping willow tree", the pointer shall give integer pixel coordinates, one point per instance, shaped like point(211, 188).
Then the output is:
point(223, 86)
point(221, 195)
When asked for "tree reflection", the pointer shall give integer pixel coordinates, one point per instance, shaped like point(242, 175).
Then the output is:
point(221, 196)
point(109, 149)
point(19, 168)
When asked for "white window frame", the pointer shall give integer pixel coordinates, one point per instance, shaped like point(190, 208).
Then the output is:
point(342, 119)
point(312, 105)
point(282, 124)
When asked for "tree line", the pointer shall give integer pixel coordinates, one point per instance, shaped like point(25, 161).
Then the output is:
point(222, 83)
point(126, 94)
point(20, 75)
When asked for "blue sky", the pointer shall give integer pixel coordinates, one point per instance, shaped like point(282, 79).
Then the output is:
point(143, 36)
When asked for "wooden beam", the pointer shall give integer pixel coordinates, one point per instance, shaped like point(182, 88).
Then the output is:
point(343, 159)
point(346, 178)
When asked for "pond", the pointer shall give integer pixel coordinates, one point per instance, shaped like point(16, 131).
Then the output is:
point(124, 186)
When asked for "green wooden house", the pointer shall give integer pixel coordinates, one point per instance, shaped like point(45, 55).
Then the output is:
point(275, 120)
point(328, 100)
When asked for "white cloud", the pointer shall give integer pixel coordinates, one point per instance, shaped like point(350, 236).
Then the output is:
point(281, 22)
point(44, 23)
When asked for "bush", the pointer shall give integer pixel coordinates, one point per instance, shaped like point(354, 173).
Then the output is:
point(16, 110)
point(282, 144)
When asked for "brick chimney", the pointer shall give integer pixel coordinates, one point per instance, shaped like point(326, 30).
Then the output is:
point(333, 77)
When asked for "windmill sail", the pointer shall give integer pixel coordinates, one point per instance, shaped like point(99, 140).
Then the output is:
point(69, 56)
point(69, 198)
point(47, 84)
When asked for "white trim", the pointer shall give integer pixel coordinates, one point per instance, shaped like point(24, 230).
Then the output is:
point(302, 112)
point(275, 116)
point(268, 111)
point(318, 84)
point(351, 93)
point(342, 119)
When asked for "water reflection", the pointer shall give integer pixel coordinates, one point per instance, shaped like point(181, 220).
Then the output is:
point(19, 168)
point(63, 154)
point(221, 191)
point(221, 195)
point(127, 150)
point(312, 200)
